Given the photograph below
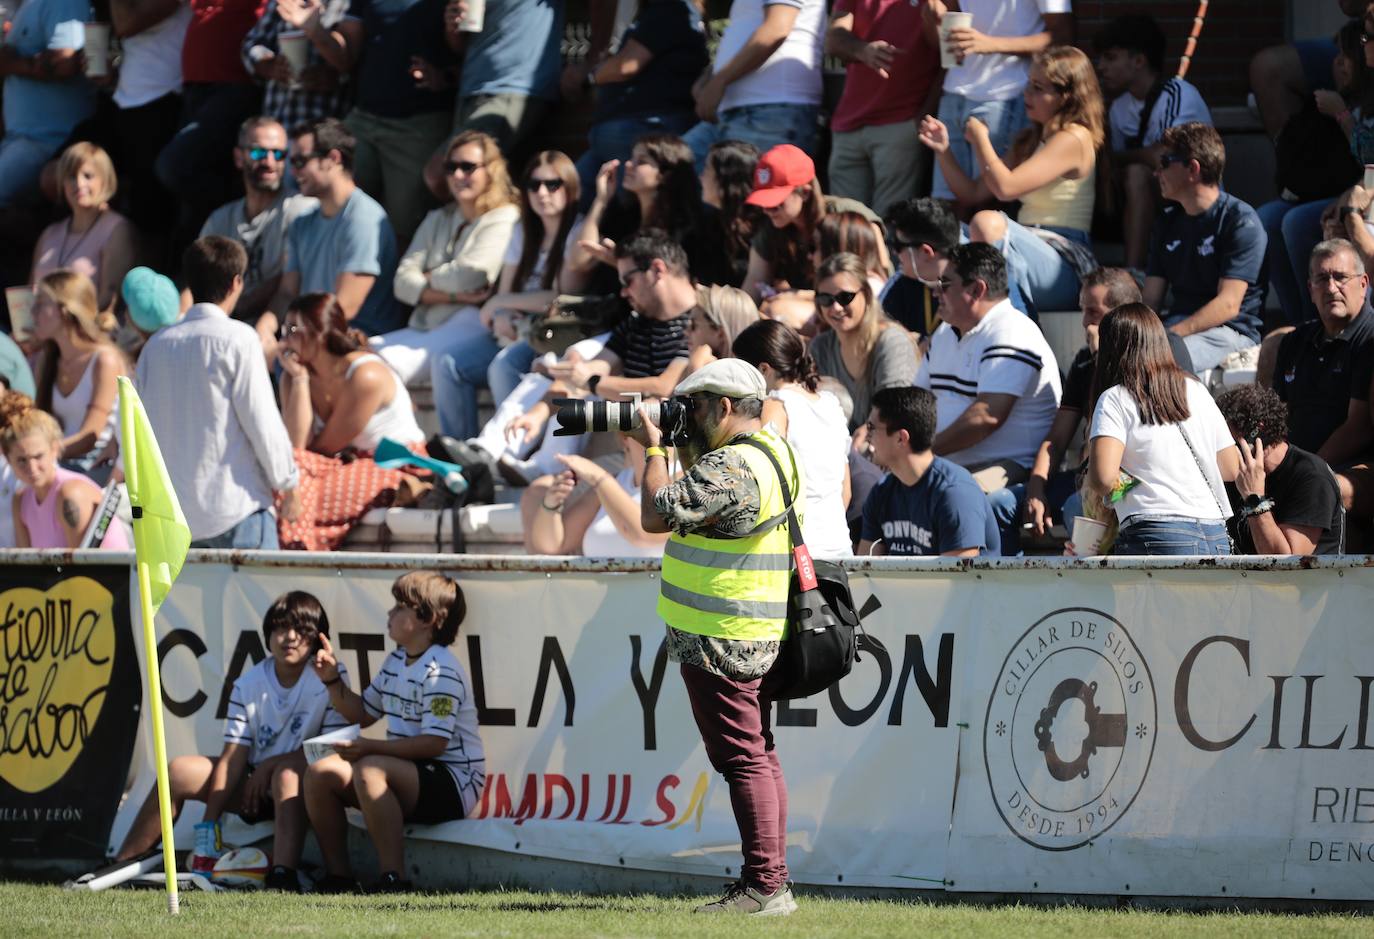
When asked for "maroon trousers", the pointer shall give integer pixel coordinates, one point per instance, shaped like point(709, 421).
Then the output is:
point(734, 720)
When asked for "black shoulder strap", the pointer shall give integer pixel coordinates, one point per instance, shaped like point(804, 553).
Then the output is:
point(1151, 99)
point(793, 523)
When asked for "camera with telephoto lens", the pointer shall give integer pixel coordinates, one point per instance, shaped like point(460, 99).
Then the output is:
point(580, 416)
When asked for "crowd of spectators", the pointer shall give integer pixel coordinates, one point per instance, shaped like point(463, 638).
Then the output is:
point(290, 220)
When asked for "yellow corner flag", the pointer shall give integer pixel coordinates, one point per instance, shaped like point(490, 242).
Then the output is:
point(161, 538)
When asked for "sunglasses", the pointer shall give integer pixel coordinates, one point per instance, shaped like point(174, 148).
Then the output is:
point(260, 153)
point(466, 167)
point(300, 159)
point(552, 185)
point(308, 633)
point(630, 275)
point(1167, 160)
point(843, 298)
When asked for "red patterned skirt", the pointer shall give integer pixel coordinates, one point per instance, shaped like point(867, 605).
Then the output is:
point(334, 497)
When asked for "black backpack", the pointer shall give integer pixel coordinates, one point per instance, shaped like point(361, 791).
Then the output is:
point(1314, 158)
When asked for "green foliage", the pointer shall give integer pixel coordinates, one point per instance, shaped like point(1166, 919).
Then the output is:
point(47, 911)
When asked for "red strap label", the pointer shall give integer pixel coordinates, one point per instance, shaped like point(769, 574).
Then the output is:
point(806, 571)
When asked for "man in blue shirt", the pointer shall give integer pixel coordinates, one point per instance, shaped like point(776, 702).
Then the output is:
point(345, 246)
point(1209, 247)
point(46, 95)
point(927, 505)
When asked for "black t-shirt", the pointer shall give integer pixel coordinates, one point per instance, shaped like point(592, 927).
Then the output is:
point(911, 303)
point(647, 346)
point(394, 31)
point(1194, 252)
point(1304, 493)
point(672, 32)
point(1318, 376)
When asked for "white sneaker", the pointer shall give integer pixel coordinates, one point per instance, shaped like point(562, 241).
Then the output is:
point(741, 899)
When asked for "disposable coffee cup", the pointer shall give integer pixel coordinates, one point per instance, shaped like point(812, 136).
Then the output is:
point(948, 23)
point(317, 748)
point(97, 48)
point(477, 13)
point(1087, 536)
point(294, 46)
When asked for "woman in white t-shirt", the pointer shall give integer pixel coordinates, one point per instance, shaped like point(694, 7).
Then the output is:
point(1160, 450)
point(812, 422)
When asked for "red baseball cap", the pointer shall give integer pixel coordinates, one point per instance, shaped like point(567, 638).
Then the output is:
point(779, 171)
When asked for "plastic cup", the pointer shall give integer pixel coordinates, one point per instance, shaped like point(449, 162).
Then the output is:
point(1087, 536)
point(948, 23)
point(294, 46)
point(97, 48)
point(477, 13)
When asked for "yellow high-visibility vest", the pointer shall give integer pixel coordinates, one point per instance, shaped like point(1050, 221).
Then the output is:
point(736, 588)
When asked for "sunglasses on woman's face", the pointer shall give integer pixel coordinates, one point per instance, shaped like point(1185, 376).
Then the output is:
point(552, 185)
point(842, 297)
point(466, 167)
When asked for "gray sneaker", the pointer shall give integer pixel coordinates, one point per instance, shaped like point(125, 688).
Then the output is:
point(741, 899)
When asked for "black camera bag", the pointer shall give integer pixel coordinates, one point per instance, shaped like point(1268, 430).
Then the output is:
point(824, 631)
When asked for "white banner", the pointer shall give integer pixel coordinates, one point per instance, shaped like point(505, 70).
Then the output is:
point(1170, 732)
point(592, 753)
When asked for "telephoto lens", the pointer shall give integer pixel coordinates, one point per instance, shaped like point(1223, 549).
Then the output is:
point(581, 416)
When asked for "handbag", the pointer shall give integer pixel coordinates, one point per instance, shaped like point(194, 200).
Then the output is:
point(571, 319)
point(824, 632)
point(1313, 157)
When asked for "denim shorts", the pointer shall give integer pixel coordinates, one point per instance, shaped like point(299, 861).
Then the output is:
point(1171, 535)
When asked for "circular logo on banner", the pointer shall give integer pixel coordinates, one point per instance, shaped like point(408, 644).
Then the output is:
point(1070, 729)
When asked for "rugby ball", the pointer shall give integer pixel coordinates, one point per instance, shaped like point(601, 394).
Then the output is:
point(242, 869)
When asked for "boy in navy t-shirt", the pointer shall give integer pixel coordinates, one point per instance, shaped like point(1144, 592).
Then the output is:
point(927, 505)
point(1209, 247)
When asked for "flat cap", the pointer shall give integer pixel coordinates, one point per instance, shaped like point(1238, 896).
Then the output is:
point(729, 378)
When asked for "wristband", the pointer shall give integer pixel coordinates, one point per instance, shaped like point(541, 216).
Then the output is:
point(1348, 210)
point(555, 509)
point(336, 679)
point(655, 451)
point(593, 382)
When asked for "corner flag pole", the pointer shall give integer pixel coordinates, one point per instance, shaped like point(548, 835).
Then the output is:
point(161, 539)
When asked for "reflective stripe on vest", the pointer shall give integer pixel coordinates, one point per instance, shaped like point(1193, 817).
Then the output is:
point(735, 588)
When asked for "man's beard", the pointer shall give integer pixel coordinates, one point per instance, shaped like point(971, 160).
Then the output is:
point(698, 443)
point(252, 182)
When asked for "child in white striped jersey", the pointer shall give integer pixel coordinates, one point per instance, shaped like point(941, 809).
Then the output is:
point(274, 707)
point(430, 769)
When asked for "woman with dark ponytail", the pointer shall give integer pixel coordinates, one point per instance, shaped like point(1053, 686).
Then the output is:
point(337, 399)
point(813, 423)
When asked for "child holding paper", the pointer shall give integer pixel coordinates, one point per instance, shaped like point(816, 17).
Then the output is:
point(274, 707)
point(430, 768)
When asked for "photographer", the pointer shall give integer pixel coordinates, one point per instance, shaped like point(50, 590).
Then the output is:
point(726, 571)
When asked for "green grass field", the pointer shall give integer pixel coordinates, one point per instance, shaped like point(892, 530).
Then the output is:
point(28, 910)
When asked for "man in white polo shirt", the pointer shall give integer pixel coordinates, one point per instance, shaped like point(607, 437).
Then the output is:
point(995, 379)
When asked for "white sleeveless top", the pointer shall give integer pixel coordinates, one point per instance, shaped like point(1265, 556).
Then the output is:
point(603, 540)
point(395, 420)
point(70, 410)
point(819, 433)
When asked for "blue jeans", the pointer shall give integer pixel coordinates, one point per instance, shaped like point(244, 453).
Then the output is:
point(1041, 276)
point(613, 139)
point(507, 369)
point(257, 532)
point(1009, 507)
point(21, 161)
point(1004, 119)
point(1208, 348)
point(1294, 228)
point(456, 376)
point(763, 125)
point(1172, 535)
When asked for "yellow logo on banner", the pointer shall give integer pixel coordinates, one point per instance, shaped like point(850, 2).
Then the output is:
point(57, 653)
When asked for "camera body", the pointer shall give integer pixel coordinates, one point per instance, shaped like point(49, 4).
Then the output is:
point(580, 416)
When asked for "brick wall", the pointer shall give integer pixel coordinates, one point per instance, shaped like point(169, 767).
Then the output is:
point(1233, 32)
